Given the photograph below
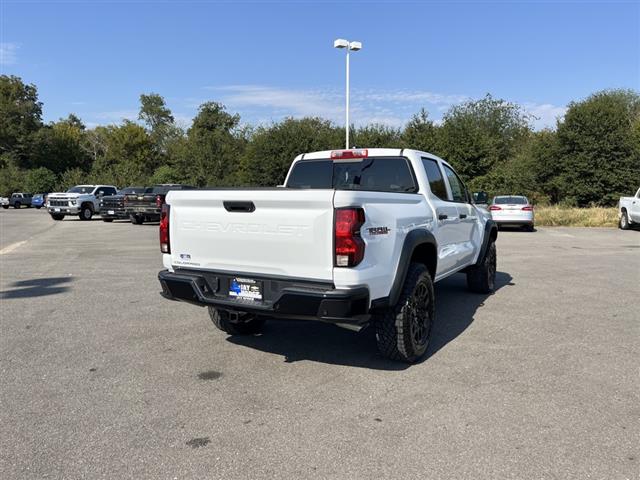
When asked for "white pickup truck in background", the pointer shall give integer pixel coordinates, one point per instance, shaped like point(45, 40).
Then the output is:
point(629, 211)
point(355, 237)
point(81, 200)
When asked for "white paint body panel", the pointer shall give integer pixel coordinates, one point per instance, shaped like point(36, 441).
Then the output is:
point(290, 233)
point(632, 207)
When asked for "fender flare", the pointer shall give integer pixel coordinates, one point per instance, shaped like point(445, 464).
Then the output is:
point(490, 231)
point(413, 240)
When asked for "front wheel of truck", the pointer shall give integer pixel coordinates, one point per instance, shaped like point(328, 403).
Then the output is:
point(403, 331)
point(245, 324)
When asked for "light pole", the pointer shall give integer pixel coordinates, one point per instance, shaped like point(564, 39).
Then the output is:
point(350, 46)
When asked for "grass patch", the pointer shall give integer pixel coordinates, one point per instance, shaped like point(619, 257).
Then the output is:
point(576, 217)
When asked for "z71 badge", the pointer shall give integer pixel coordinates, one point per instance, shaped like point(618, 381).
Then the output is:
point(378, 230)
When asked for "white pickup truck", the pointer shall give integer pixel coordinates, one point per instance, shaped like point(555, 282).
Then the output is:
point(629, 211)
point(355, 237)
point(81, 200)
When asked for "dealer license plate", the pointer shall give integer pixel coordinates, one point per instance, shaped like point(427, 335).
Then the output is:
point(245, 288)
point(111, 212)
point(56, 209)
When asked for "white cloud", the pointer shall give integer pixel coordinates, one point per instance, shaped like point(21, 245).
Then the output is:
point(546, 114)
point(283, 102)
point(8, 53)
point(391, 108)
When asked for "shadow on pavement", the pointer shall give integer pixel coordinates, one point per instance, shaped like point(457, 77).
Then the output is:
point(38, 287)
point(299, 340)
point(456, 307)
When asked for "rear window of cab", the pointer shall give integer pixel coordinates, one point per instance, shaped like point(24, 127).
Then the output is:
point(374, 174)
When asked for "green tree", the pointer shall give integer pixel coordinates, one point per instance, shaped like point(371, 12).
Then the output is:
point(272, 148)
point(166, 174)
point(72, 177)
point(377, 136)
point(158, 118)
point(40, 180)
point(128, 158)
point(479, 134)
point(599, 147)
point(421, 133)
point(59, 146)
point(211, 152)
point(20, 116)
point(11, 176)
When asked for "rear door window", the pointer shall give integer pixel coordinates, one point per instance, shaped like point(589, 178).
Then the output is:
point(434, 175)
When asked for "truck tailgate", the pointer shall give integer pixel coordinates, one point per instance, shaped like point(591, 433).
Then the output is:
point(272, 232)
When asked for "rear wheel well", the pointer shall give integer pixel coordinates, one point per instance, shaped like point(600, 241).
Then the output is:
point(425, 253)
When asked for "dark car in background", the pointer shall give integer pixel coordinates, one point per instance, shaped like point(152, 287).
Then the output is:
point(146, 207)
point(112, 206)
point(19, 199)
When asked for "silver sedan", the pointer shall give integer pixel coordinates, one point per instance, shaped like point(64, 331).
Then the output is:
point(512, 210)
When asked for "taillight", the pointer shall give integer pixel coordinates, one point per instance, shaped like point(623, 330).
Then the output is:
point(494, 207)
point(528, 208)
point(165, 244)
point(349, 154)
point(159, 201)
point(348, 242)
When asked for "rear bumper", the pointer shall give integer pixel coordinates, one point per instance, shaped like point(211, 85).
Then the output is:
point(118, 212)
point(282, 297)
point(146, 211)
point(521, 219)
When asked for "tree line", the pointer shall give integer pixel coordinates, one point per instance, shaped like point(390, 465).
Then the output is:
point(591, 158)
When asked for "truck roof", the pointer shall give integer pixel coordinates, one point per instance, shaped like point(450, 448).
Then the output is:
point(371, 152)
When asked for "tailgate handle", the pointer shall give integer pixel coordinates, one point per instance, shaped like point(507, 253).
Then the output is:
point(239, 206)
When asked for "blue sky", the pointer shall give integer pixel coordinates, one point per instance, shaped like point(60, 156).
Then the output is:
point(270, 60)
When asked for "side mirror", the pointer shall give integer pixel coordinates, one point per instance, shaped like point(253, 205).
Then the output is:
point(480, 197)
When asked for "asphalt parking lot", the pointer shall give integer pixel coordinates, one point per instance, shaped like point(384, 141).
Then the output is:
point(102, 378)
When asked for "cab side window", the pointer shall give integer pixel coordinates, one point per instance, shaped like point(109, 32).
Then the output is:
point(109, 191)
point(434, 175)
point(458, 190)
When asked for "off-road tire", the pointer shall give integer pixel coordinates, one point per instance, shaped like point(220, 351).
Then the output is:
point(623, 223)
point(481, 278)
point(403, 331)
point(57, 216)
point(17, 205)
point(108, 220)
point(250, 324)
point(86, 213)
point(136, 219)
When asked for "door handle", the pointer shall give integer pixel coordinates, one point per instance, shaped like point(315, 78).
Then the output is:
point(463, 215)
point(442, 216)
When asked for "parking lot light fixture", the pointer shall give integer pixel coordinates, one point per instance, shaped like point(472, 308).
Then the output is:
point(349, 47)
